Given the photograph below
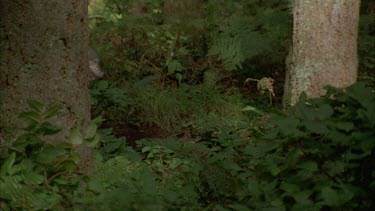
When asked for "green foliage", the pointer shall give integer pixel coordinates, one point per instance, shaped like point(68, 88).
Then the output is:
point(105, 96)
point(318, 154)
point(169, 107)
point(249, 33)
point(110, 146)
point(131, 185)
point(166, 107)
point(38, 175)
point(179, 40)
point(171, 64)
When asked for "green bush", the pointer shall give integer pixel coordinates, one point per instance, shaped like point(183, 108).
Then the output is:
point(180, 41)
point(37, 175)
point(146, 102)
point(319, 154)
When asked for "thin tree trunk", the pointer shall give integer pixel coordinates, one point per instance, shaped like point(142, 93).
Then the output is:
point(324, 50)
point(44, 57)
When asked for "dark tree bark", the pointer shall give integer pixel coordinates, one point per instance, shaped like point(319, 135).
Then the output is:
point(44, 57)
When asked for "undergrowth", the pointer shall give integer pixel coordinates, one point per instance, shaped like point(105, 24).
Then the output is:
point(316, 155)
point(167, 107)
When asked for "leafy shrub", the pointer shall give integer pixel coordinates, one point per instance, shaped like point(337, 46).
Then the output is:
point(171, 107)
point(319, 155)
point(146, 102)
point(129, 183)
point(182, 40)
point(253, 29)
point(37, 175)
point(109, 101)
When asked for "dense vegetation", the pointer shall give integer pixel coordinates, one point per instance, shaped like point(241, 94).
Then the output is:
point(188, 117)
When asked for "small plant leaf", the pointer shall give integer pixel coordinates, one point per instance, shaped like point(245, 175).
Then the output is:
point(30, 116)
point(52, 111)
point(146, 149)
point(252, 109)
point(34, 178)
point(93, 141)
point(330, 196)
point(309, 165)
point(91, 130)
point(49, 154)
point(47, 128)
point(37, 106)
point(6, 167)
point(75, 136)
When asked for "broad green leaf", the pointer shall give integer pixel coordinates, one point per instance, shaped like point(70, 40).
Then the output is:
point(174, 66)
point(362, 94)
point(37, 106)
point(70, 166)
point(150, 155)
point(47, 128)
point(52, 111)
point(309, 165)
point(254, 188)
point(175, 162)
point(167, 151)
point(158, 166)
point(6, 167)
point(34, 178)
point(316, 126)
point(324, 112)
point(330, 196)
point(275, 170)
point(97, 120)
point(91, 130)
point(93, 141)
point(49, 154)
point(95, 186)
point(253, 109)
point(25, 140)
point(368, 144)
point(31, 125)
point(45, 200)
point(288, 125)
point(345, 126)
point(31, 116)
point(75, 136)
point(178, 77)
point(112, 146)
point(277, 202)
point(10, 187)
point(146, 149)
point(102, 85)
point(303, 197)
point(289, 187)
point(293, 157)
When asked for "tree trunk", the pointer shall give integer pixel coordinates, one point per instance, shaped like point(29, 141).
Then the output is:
point(324, 50)
point(43, 56)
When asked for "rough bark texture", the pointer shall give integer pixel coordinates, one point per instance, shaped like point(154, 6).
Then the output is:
point(44, 57)
point(324, 50)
